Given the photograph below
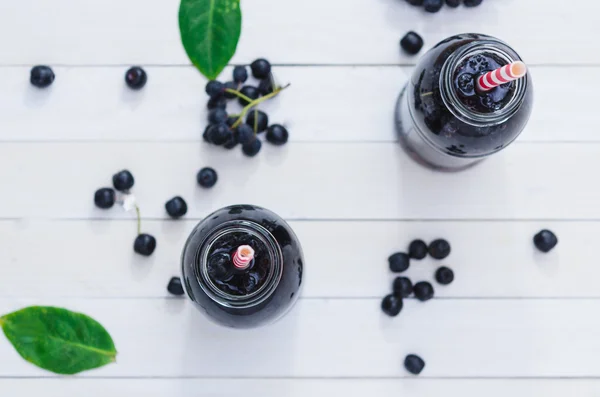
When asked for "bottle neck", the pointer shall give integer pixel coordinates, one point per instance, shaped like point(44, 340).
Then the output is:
point(450, 97)
point(273, 255)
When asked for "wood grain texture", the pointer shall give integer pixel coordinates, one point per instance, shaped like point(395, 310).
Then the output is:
point(303, 181)
point(108, 32)
point(323, 104)
point(343, 338)
point(299, 387)
point(490, 260)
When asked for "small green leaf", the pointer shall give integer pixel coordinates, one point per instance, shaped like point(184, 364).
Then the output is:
point(58, 340)
point(210, 30)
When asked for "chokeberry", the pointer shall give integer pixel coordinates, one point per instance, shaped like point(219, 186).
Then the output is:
point(439, 249)
point(258, 120)
point(265, 87)
point(136, 78)
point(277, 134)
point(414, 364)
point(123, 180)
point(472, 3)
point(214, 88)
point(402, 287)
point(391, 305)
point(411, 43)
point(219, 133)
point(104, 197)
point(175, 287)
point(444, 275)
point(423, 290)
point(217, 103)
point(41, 76)
point(230, 85)
point(205, 134)
point(398, 262)
point(144, 244)
point(244, 133)
point(433, 5)
point(231, 121)
point(417, 249)
point(251, 148)
point(240, 74)
point(176, 207)
point(249, 91)
point(453, 3)
point(231, 143)
point(261, 68)
point(545, 240)
point(206, 177)
point(216, 116)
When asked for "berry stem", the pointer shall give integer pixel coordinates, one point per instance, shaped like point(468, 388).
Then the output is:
point(238, 94)
point(256, 102)
point(255, 122)
point(139, 220)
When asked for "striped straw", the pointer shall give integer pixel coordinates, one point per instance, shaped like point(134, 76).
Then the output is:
point(506, 73)
point(243, 256)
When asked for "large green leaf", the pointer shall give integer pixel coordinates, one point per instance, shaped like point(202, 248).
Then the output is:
point(210, 30)
point(58, 340)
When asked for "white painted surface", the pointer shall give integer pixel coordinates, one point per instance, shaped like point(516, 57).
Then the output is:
point(514, 323)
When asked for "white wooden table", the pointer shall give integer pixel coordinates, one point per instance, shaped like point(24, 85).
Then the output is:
point(514, 323)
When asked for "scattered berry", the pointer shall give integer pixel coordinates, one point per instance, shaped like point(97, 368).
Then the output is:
point(230, 85)
point(175, 287)
point(423, 290)
point(240, 74)
point(472, 3)
point(265, 87)
point(219, 133)
point(444, 275)
point(411, 43)
point(217, 116)
point(258, 120)
point(41, 76)
point(144, 244)
point(417, 249)
point(136, 78)
point(545, 240)
point(104, 197)
point(439, 249)
point(414, 364)
point(176, 207)
point(261, 68)
point(251, 148)
point(123, 180)
point(402, 287)
point(399, 262)
point(249, 91)
point(217, 103)
point(244, 134)
point(277, 134)
point(433, 5)
point(391, 305)
point(214, 88)
point(206, 177)
point(453, 3)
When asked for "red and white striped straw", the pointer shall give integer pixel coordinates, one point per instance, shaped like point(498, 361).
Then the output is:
point(503, 75)
point(243, 256)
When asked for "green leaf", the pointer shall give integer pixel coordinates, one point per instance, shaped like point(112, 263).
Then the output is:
point(210, 30)
point(58, 340)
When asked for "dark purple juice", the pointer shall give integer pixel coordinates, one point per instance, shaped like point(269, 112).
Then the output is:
point(260, 292)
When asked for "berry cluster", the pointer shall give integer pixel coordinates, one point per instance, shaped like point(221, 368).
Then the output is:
point(436, 5)
point(228, 130)
point(42, 76)
point(403, 287)
point(123, 181)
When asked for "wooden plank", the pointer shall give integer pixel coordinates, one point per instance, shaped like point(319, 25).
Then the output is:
point(303, 181)
point(490, 259)
point(343, 338)
point(364, 32)
point(323, 104)
point(299, 387)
